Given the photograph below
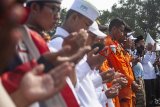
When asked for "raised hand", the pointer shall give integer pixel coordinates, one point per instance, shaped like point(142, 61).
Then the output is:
point(108, 76)
point(121, 81)
point(75, 57)
point(136, 87)
point(112, 92)
point(118, 75)
point(76, 40)
point(34, 87)
point(61, 57)
point(59, 75)
point(95, 60)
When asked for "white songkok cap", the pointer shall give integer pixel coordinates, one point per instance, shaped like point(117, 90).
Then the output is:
point(85, 8)
point(131, 37)
point(95, 30)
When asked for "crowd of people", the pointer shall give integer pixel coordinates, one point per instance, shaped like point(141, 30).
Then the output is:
point(79, 66)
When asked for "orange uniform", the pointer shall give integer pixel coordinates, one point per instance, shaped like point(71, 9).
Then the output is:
point(119, 60)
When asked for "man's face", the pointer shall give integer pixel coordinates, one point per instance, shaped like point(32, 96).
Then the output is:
point(149, 47)
point(48, 16)
point(130, 43)
point(140, 46)
point(80, 22)
point(141, 42)
point(91, 38)
point(118, 33)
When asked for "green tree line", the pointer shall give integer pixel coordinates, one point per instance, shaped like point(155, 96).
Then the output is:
point(141, 15)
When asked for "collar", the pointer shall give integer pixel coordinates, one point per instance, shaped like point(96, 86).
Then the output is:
point(62, 32)
point(149, 52)
point(135, 51)
point(34, 28)
point(114, 41)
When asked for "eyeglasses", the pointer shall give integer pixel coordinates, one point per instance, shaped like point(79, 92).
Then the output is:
point(55, 9)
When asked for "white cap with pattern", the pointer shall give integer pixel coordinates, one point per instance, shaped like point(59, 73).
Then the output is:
point(85, 8)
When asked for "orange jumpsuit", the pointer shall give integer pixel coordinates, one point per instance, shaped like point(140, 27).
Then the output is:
point(119, 61)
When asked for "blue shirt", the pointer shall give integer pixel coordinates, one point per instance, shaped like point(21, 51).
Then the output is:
point(138, 70)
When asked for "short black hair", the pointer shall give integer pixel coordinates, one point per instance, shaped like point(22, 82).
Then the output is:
point(127, 28)
point(139, 38)
point(117, 22)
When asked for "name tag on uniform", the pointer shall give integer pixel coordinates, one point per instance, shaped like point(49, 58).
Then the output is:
point(113, 48)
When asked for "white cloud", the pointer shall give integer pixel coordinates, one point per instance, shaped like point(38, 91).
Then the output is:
point(100, 4)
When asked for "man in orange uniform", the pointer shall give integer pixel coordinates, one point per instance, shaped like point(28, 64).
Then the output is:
point(116, 57)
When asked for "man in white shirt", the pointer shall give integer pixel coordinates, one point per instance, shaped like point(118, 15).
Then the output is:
point(80, 16)
point(149, 73)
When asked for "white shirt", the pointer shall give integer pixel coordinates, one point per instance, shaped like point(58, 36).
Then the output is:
point(84, 88)
point(147, 63)
point(85, 73)
point(56, 44)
